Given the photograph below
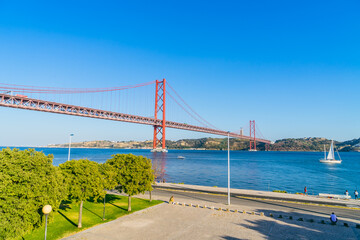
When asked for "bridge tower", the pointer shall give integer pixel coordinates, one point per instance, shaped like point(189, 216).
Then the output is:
point(267, 147)
point(159, 128)
point(252, 136)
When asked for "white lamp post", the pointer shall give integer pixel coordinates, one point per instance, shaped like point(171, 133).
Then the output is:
point(46, 210)
point(70, 145)
point(228, 168)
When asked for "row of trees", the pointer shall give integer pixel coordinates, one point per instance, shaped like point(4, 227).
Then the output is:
point(29, 181)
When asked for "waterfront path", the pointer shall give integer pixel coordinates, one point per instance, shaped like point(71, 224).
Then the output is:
point(261, 194)
point(260, 204)
point(167, 221)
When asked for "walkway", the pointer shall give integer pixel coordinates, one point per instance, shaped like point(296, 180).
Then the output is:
point(168, 221)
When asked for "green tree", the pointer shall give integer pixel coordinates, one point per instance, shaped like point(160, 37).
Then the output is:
point(28, 182)
point(84, 181)
point(134, 174)
point(109, 175)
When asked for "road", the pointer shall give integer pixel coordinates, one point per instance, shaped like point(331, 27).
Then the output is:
point(259, 205)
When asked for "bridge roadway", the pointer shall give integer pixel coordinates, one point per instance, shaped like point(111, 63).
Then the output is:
point(23, 102)
point(307, 211)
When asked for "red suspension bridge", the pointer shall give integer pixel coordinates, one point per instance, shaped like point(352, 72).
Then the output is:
point(47, 99)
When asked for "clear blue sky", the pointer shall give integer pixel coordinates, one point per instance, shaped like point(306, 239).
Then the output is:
point(294, 67)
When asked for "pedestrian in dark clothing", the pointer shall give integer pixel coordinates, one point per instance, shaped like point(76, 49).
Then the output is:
point(305, 191)
point(333, 219)
point(356, 194)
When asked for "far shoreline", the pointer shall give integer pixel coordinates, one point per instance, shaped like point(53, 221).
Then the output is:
point(185, 149)
point(306, 144)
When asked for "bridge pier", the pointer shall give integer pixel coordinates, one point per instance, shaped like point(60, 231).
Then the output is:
point(159, 150)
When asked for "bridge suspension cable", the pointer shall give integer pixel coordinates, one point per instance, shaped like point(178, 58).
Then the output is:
point(198, 118)
point(54, 90)
point(187, 111)
point(108, 103)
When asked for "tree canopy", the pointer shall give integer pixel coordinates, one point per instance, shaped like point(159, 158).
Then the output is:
point(84, 179)
point(109, 175)
point(134, 174)
point(28, 182)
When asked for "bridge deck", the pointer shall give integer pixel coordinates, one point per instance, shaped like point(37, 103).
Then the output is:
point(23, 102)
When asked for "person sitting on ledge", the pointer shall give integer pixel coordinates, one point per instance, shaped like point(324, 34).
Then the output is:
point(333, 219)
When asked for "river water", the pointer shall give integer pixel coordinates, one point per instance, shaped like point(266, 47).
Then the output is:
point(290, 171)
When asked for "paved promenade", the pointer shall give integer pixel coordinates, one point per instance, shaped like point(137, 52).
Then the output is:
point(167, 221)
point(178, 222)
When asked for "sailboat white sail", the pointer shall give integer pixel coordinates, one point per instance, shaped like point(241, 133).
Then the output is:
point(331, 152)
point(331, 156)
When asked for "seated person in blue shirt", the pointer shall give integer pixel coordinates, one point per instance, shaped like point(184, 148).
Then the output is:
point(333, 218)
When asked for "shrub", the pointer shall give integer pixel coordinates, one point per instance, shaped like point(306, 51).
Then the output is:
point(280, 191)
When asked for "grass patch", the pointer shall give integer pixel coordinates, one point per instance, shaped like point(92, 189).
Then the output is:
point(65, 220)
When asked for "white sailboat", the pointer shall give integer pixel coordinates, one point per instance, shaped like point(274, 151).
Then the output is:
point(331, 156)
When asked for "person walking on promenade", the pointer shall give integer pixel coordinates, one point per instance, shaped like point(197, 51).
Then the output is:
point(305, 191)
point(346, 193)
point(356, 194)
point(333, 219)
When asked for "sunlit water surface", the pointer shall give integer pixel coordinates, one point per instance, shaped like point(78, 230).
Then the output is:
point(290, 171)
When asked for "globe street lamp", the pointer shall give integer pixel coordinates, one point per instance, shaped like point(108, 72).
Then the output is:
point(46, 210)
point(70, 145)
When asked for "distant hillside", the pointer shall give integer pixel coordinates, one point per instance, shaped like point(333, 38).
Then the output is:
point(314, 144)
point(107, 144)
point(202, 143)
point(288, 144)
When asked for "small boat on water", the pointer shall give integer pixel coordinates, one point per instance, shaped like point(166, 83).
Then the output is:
point(331, 156)
point(181, 157)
